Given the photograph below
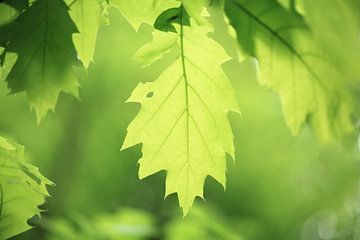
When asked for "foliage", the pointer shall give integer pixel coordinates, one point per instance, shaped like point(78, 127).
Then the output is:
point(294, 63)
point(189, 98)
point(201, 224)
point(306, 51)
point(131, 224)
point(22, 189)
point(125, 224)
point(7, 14)
point(44, 68)
point(88, 17)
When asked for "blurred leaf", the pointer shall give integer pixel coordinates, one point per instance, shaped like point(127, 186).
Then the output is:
point(19, 5)
point(190, 97)
point(291, 5)
point(336, 27)
point(88, 16)
point(46, 56)
point(294, 65)
point(22, 189)
point(340, 222)
point(7, 14)
point(126, 224)
point(9, 61)
point(201, 223)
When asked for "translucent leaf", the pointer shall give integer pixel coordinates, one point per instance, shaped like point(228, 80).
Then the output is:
point(22, 189)
point(88, 17)
point(46, 54)
point(182, 122)
point(337, 29)
point(295, 65)
point(144, 11)
point(197, 10)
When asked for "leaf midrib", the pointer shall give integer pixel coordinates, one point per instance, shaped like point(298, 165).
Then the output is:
point(186, 84)
point(282, 40)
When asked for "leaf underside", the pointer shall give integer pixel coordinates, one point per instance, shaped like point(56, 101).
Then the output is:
point(144, 11)
point(42, 38)
point(22, 190)
point(182, 122)
point(292, 63)
point(88, 17)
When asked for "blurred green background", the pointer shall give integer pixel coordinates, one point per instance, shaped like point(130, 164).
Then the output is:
point(281, 186)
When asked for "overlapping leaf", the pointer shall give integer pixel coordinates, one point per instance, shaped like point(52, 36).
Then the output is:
point(295, 65)
point(327, 22)
point(197, 9)
point(7, 13)
point(144, 11)
point(22, 189)
point(293, 5)
point(147, 11)
point(182, 122)
point(88, 17)
point(42, 38)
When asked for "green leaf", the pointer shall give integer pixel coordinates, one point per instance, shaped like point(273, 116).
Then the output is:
point(42, 39)
point(182, 122)
point(197, 10)
point(337, 28)
point(88, 17)
point(141, 223)
point(295, 65)
point(287, 4)
point(125, 224)
point(19, 5)
point(293, 5)
point(7, 14)
point(8, 63)
point(144, 11)
point(201, 223)
point(165, 21)
point(22, 189)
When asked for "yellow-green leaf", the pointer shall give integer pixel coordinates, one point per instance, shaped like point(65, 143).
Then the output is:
point(144, 11)
point(88, 16)
point(295, 65)
point(183, 122)
point(197, 10)
point(22, 189)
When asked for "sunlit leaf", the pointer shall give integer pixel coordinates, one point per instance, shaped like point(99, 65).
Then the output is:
point(22, 189)
point(337, 29)
point(182, 122)
point(88, 17)
point(197, 10)
point(295, 65)
point(144, 11)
